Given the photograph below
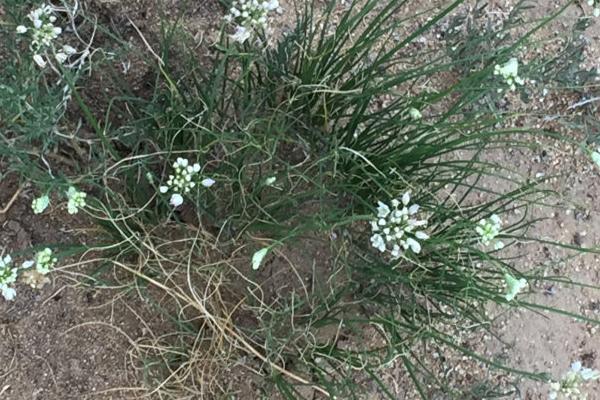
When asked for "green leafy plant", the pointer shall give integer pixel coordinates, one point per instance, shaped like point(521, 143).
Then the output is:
point(309, 143)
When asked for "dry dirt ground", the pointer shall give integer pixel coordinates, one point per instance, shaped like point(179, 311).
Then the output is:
point(60, 342)
point(67, 341)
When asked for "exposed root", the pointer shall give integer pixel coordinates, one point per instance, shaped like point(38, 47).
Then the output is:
point(11, 201)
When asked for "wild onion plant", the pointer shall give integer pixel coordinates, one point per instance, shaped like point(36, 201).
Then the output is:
point(339, 134)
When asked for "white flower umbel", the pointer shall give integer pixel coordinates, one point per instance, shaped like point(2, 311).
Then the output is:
point(250, 16)
point(488, 229)
point(8, 276)
point(45, 261)
point(513, 286)
point(569, 386)
point(186, 177)
point(510, 72)
point(43, 33)
point(76, 200)
point(40, 204)
point(397, 229)
point(415, 114)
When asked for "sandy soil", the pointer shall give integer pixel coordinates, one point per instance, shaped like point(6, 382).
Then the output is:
point(56, 342)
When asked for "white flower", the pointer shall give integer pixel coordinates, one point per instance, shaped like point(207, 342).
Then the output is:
point(488, 229)
point(378, 242)
point(248, 16)
point(7, 292)
point(509, 69)
point(4, 262)
point(208, 182)
point(43, 33)
point(61, 57)
point(76, 200)
point(184, 180)
point(413, 209)
point(496, 219)
point(414, 114)
point(510, 72)
point(588, 374)
point(44, 261)
point(176, 200)
point(414, 245)
point(39, 60)
point(8, 276)
point(392, 229)
point(258, 257)
point(382, 210)
point(241, 34)
point(40, 204)
point(596, 12)
point(513, 286)
point(569, 384)
point(181, 163)
point(270, 181)
point(69, 50)
point(406, 198)
point(421, 235)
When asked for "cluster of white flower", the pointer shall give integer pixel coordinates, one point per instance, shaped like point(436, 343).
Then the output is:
point(488, 229)
point(415, 114)
point(184, 180)
point(513, 286)
point(44, 262)
point(397, 229)
point(43, 33)
point(40, 204)
point(76, 200)
point(596, 5)
point(249, 16)
point(510, 72)
point(569, 385)
point(8, 276)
